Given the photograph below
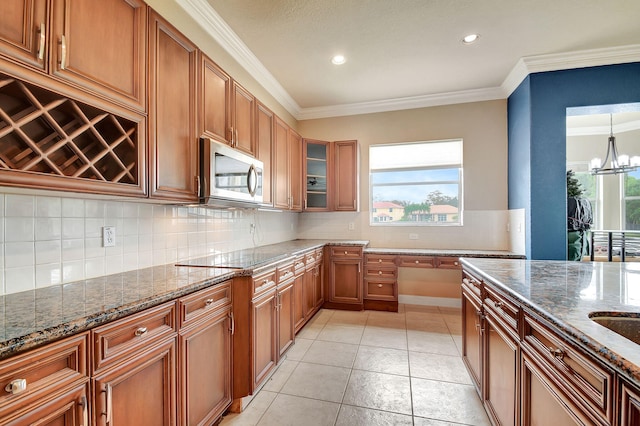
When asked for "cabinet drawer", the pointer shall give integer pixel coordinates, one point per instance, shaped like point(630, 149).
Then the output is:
point(285, 272)
point(319, 255)
point(448, 263)
point(311, 259)
point(379, 290)
point(299, 264)
point(578, 374)
point(380, 260)
point(264, 281)
point(416, 261)
point(44, 370)
point(355, 252)
point(194, 306)
point(120, 339)
point(504, 309)
point(377, 272)
point(473, 284)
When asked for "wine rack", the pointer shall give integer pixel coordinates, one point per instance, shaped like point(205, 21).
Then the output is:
point(45, 134)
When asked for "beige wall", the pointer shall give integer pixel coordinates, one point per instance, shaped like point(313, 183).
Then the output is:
point(483, 128)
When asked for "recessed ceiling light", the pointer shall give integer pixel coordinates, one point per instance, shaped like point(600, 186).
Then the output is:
point(471, 38)
point(338, 60)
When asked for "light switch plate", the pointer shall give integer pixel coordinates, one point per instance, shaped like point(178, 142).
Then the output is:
point(108, 236)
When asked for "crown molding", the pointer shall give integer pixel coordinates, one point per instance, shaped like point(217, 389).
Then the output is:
point(204, 14)
point(569, 60)
point(411, 102)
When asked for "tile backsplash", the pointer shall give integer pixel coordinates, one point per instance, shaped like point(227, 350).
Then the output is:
point(48, 240)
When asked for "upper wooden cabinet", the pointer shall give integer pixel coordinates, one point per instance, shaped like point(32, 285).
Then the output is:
point(243, 109)
point(98, 46)
point(346, 175)
point(214, 101)
point(173, 144)
point(264, 148)
point(281, 168)
point(295, 170)
point(330, 175)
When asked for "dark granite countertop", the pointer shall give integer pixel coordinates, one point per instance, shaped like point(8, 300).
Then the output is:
point(498, 254)
point(564, 293)
point(33, 318)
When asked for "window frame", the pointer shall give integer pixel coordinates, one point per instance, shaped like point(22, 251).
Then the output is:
point(459, 182)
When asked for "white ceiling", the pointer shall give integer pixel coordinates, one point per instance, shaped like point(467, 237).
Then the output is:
point(408, 53)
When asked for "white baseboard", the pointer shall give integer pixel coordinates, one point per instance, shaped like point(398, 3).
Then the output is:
point(448, 302)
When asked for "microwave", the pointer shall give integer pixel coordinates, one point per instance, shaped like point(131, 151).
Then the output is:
point(230, 178)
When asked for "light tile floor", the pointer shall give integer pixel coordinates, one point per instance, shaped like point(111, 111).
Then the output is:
point(371, 368)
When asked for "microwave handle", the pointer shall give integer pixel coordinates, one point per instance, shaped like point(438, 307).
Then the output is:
point(252, 180)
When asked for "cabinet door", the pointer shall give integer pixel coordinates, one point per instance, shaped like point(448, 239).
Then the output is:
point(140, 391)
point(295, 169)
point(298, 303)
point(346, 176)
point(629, 405)
point(69, 408)
point(101, 46)
point(280, 173)
point(316, 175)
point(318, 281)
point(173, 146)
point(23, 31)
point(309, 292)
point(243, 106)
point(264, 141)
point(501, 373)
point(264, 337)
point(542, 402)
point(345, 281)
point(205, 362)
point(286, 322)
point(214, 105)
point(472, 324)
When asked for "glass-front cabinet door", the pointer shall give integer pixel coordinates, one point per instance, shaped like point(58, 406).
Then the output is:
point(316, 195)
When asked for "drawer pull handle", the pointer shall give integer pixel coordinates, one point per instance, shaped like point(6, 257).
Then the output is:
point(42, 42)
point(16, 386)
point(379, 272)
point(345, 252)
point(379, 260)
point(109, 413)
point(497, 304)
point(466, 281)
point(455, 263)
point(379, 285)
point(556, 353)
point(63, 52)
point(417, 262)
point(208, 302)
point(140, 331)
point(85, 411)
point(299, 264)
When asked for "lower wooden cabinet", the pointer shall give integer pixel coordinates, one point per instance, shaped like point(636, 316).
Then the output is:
point(285, 311)
point(264, 348)
point(205, 356)
point(47, 386)
point(629, 406)
point(139, 391)
point(344, 280)
point(472, 317)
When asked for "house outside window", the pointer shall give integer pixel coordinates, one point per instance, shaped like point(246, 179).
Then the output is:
point(416, 183)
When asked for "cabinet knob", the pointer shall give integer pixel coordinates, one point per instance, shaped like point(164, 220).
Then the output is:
point(379, 272)
point(208, 302)
point(497, 304)
point(140, 331)
point(345, 252)
point(455, 263)
point(417, 261)
point(379, 285)
point(379, 260)
point(16, 386)
point(556, 353)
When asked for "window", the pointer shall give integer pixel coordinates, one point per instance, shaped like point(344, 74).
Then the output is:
point(416, 183)
point(590, 185)
point(631, 206)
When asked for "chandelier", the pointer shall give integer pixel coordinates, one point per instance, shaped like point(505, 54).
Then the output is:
point(619, 163)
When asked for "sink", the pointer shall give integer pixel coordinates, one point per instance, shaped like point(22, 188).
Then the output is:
point(626, 324)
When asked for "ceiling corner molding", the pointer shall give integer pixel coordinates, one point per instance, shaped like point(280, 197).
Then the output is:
point(569, 60)
point(202, 13)
point(411, 102)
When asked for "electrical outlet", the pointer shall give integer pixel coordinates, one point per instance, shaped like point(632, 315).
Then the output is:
point(413, 236)
point(352, 226)
point(108, 236)
point(252, 228)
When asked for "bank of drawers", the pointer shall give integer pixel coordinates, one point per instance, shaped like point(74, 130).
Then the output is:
point(380, 277)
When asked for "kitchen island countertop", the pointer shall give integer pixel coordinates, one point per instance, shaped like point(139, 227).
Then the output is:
point(564, 293)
